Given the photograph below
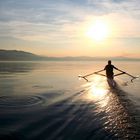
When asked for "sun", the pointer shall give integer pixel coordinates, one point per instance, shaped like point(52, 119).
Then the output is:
point(98, 31)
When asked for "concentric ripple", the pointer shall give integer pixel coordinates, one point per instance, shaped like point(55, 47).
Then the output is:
point(20, 101)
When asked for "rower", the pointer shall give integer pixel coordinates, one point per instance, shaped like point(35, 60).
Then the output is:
point(109, 70)
point(109, 73)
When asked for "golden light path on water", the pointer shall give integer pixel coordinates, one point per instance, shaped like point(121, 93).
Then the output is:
point(113, 102)
point(98, 90)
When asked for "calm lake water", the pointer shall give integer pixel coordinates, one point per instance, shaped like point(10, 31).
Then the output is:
point(47, 101)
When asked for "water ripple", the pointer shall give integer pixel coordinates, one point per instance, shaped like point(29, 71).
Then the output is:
point(20, 101)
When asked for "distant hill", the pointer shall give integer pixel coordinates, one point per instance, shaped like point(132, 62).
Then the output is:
point(14, 55)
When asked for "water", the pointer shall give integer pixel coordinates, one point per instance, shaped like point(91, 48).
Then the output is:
point(45, 100)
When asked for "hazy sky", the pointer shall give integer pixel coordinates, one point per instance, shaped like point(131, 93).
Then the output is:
point(59, 27)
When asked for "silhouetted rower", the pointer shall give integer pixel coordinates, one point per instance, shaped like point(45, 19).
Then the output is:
point(109, 70)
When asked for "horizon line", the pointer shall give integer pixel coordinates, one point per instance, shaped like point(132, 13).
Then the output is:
point(68, 56)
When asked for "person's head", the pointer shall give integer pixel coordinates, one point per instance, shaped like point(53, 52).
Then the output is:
point(109, 62)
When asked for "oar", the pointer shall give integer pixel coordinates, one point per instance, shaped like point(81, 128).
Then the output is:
point(97, 72)
point(80, 76)
point(119, 74)
point(93, 73)
point(123, 72)
point(133, 77)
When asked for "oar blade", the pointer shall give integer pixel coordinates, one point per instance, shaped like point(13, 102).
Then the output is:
point(80, 77)
point(133, 78)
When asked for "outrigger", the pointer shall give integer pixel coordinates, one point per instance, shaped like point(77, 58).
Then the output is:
point(109, 73)
point(98, 73)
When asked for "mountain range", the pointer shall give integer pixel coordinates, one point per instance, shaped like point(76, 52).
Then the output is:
point(16, 55)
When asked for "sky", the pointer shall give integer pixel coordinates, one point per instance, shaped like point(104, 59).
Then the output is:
point(71, 27)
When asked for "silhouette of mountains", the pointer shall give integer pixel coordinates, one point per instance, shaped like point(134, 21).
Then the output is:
point(15, 55)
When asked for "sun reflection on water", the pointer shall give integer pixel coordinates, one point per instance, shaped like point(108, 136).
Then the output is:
point(98, 91)
point(110, 102)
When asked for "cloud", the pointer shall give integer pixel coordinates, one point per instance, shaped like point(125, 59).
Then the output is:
point(37, 19)
point(117, 6)
point(53, 20)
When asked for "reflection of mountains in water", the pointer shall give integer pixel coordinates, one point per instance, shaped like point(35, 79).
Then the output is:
point(16, 67)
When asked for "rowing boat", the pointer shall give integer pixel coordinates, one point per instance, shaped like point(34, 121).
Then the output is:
point(109, 80)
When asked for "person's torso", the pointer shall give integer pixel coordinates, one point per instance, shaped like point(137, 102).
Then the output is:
point(109, 69)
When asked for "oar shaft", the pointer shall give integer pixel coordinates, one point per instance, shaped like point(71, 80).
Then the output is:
point(100, 74)
point(119, 74)
point(123, 72)
point(93, 73)
point(130, 75)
